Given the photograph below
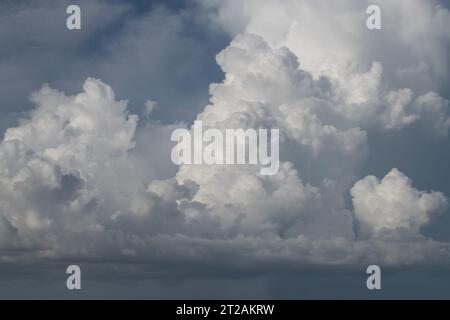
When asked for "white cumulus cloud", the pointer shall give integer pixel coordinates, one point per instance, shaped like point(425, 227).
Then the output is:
point(393, 203)
point(83, 177)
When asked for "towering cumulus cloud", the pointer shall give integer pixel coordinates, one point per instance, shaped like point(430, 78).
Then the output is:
point(81, 177)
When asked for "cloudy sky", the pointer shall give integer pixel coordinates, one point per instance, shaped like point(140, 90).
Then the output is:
point(86, 176)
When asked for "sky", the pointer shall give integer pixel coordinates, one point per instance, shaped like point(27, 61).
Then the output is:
point(86, 176)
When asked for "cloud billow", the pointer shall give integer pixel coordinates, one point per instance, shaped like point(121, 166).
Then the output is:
point(80, 178)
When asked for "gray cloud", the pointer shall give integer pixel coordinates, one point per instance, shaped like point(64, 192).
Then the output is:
point(83, 178)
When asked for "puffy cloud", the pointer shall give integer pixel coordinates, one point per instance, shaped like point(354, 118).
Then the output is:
point(82, 177)
point(68, 173)
point(88, 128)
point(393, 203)
point(372, 87)
point(75, 182)
point(263, 87)
point(330, 37)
